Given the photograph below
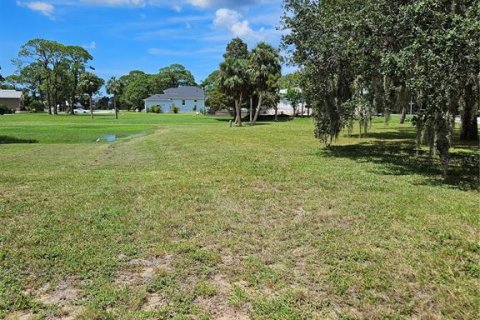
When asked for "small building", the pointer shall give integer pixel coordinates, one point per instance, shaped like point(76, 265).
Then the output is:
point(186, 98)
point(13, 99)
point(284, 107)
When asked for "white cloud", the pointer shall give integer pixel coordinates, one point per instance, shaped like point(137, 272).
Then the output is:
point(222, 3)
point(116, 3)
point(232, 20)
point(177, 8)
point(44, 8)
point(92, 45)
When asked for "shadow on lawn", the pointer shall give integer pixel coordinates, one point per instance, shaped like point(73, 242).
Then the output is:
point(262, 119)
point(7, 140)
point(399, 158)
point(398, 134)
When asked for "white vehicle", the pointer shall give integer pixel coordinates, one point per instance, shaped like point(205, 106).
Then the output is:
point(79, 111)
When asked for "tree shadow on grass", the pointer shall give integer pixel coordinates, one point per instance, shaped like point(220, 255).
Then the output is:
point(9, 140)
point(245, 122)
point(397, 134)
point(399, 158)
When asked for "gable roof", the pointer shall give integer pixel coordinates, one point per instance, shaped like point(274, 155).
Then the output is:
point(11, 94)
point(181, 93)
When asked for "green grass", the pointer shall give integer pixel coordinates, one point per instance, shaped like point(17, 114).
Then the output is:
point(186, 218)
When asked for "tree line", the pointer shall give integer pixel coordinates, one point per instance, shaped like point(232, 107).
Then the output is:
point(359, 57)
point(54, 75)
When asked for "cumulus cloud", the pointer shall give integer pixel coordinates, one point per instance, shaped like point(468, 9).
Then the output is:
point(92, 46)
point(43, 7)
point(233, 21)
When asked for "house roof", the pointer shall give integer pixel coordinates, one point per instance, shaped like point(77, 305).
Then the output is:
point(183, 93)
point(11, 94)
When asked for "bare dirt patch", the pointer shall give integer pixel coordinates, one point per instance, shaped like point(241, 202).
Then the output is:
point(218, 306)
point(62, 295)
point(153, 302)
point(141, 271)
point(20, 315)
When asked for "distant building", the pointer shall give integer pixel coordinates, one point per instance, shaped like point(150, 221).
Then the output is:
point(284, 107)
point(13, 99)
point(186, 98)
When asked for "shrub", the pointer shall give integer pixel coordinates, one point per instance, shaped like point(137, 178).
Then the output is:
point(36, 106)
point(175, 109)
point(156, 109)
point(5, 110)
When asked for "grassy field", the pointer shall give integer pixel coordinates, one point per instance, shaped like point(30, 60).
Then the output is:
point(186, 218)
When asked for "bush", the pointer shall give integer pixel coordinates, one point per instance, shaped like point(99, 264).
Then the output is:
point(5, 110)
point(156, 109)
point(36, 106)
point(175, 109)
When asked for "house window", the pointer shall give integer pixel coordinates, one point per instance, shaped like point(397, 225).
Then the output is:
point(183, 102)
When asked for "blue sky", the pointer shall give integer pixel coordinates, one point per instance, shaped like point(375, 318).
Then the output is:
point(124, 35)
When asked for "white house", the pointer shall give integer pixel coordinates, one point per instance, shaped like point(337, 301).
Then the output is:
point(186, 98)
point(284, 107)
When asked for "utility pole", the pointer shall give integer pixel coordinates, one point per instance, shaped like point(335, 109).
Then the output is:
point(251, 110)
point(411, 105)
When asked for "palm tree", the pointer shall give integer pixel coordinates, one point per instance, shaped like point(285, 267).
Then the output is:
point(114, 87)
point(90, 84)
point(234, 81)
point(264, 70)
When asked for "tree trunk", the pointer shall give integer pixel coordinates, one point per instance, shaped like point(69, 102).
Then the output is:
point(388, 99)
point(469, 115)
point(115, 107)
point(257, 111)
point(403, 115)
point(441, 141)
point(71, 112)
point(403, 102)
point(238, 108)
point(49, 103)
point(91, 106)
point(452, 112)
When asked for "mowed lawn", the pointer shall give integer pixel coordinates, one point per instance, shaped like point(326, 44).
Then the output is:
point(186, 218)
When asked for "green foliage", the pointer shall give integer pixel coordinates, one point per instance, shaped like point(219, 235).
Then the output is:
point(51, 70)
point(291, 80)
point(156, 109)
point(173, 76)
point(137, 85)
point(215, 99)
point(36, 106)
point(425, 49)
point(175, 109)
point(234, 76)
point(89, 83)
point(264, 70)
point(295, 97)
point(103, 103)
point(5, 110)
point(236, 49)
